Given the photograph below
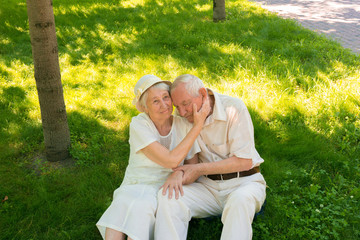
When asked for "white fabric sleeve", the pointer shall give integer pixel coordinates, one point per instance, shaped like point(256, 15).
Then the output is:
point(241, 133)
point(185, 127)
point(195, 147)
point(141, 134)
point(194, 150)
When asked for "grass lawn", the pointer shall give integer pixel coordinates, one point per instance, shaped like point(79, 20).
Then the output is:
point(302, 90)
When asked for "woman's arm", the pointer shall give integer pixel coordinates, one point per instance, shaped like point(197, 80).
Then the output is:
point(233, 164)
point(175, 181)
point(171, 159)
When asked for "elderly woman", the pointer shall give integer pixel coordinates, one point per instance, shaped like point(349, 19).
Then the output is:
point(159, 142)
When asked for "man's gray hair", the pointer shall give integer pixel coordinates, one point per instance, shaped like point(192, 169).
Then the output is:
point(143, 99)
point(192, 84)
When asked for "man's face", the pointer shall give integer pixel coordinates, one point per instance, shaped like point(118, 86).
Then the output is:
point(183, 102)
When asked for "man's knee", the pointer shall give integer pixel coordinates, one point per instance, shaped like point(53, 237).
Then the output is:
point(242, 195)
point(244, 201)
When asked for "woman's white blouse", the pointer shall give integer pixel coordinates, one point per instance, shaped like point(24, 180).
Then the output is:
point(141, 170)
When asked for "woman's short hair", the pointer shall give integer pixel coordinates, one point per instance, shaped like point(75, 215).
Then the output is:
point(143, 98)
point(192, 84)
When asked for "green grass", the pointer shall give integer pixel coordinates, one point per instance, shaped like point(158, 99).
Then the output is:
point(302, 91)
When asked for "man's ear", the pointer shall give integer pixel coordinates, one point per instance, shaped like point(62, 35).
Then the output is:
point(203, 92)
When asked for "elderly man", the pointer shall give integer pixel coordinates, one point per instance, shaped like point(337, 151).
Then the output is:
point(227, 180)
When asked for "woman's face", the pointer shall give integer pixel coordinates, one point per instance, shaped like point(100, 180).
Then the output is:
point(159, 104)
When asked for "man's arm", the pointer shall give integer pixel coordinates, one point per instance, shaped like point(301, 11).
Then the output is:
point(193, 160)
point(175, 181)
point(233, 164)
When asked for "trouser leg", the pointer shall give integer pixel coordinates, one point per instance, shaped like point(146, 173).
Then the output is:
point(239, 210)
point(173, 216)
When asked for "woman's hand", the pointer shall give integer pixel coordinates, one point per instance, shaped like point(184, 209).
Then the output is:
point(201, 115)
point(173, 183)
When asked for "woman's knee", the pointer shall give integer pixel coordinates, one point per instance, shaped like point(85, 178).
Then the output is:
point(112, 234)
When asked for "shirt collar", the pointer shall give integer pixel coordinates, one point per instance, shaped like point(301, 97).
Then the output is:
point(218, 109)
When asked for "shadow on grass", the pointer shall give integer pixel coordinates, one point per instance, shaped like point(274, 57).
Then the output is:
point(281, 46)
point(173, 28)
point(14, 36)
point(93, 143)
point(16, 127)
point(291, 145)
point(56, 198)
point(101, 33)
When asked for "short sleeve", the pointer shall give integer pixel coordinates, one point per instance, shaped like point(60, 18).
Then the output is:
point(141, 133)
point(241, 134)
point(183, 127)
point(194, 150)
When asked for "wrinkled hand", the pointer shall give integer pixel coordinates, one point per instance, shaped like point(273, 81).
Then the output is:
point(191, 173)
point(173, 183)
point(201, 115)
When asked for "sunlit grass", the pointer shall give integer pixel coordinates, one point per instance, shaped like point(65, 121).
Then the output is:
point(301, 89)
point(135, 3)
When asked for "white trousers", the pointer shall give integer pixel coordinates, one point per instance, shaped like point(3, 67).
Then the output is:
point(132, 212)
point(237, 200)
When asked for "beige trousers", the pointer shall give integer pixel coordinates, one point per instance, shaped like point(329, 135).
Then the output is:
point(236, 200)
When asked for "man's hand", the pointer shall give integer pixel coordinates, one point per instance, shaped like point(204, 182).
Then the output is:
point(191, 173)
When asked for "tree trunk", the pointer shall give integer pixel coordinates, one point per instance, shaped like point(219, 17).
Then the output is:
point(219, 13)
point(48, 79)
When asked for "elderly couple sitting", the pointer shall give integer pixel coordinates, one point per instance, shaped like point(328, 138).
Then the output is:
point(197, 163)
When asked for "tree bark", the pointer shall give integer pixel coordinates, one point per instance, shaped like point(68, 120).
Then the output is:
point(48, 79)
point(219, 13)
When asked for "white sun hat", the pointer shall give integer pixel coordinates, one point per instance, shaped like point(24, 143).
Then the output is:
point(143, 84)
